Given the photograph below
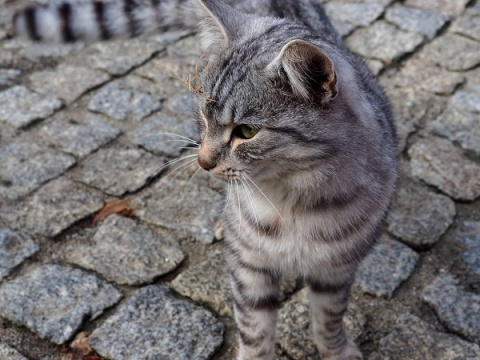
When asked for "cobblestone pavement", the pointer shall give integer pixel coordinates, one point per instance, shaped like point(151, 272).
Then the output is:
point(79, 127)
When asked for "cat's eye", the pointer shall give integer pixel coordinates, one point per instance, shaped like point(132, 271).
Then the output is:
point(245, 131)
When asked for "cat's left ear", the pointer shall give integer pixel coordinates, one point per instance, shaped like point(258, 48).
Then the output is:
point(309, 70)
point(221, 24)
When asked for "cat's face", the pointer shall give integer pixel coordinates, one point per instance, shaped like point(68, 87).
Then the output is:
point(252, 125)
point(264, 101)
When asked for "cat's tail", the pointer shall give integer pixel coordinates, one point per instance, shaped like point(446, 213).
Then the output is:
point(94, 20)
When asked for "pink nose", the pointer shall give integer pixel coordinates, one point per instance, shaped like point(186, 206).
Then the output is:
point(205, 165)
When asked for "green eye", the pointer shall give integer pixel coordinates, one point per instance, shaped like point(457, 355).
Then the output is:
point(245, 131)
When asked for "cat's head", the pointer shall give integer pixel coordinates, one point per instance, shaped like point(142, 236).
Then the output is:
point(266, 92)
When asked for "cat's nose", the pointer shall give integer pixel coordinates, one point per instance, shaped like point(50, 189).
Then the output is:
point(206, 165)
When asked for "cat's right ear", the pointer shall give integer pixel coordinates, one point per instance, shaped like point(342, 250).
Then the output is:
point(308, 70)
point(220, 24)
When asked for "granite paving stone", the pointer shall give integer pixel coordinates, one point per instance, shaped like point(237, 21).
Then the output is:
point(20, 106)
point(186, 206)
point(438, 162)
point(445, 7)
point(153, 324)
point(424, 77)
point(128, 252)
point(208, 283)
point(294, 334)
point(67, 82)
point(182, 104)
point(26, 166)
point(168, 74)
point(9, 76)
point(163, 134)
point(444, 51)
point(388, 265)
point(469, 234)
point(53, 208)
point(467, 101)
point(413, 339)
point(457, 309)
point(343, 28)
point(79, 135)
point(375, 65)
point(122, 102)
point(8, 353)
point(419, 216)
point(117, 170)
point(415, 108)
point(359, 14)
point(38, 52)
point(383, 41)
point(467, 25)
point(14, 249)
point(416, 20)
point(116, 57)
point(54, 300)
point(188, 49)
point(459, 126)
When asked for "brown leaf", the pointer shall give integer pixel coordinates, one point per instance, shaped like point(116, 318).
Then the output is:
point(119, 207)
point(81, 349)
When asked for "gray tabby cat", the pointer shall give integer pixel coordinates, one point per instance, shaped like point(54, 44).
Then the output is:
point(298, 128)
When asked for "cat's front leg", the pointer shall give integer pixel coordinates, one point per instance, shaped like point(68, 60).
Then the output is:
point(328, 304)
point(255, 293)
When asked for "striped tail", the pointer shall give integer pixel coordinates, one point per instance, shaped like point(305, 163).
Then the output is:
point(94, 20)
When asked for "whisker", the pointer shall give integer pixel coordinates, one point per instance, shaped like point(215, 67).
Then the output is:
point(195, 173)
point(167, 164)
point(265, 196)
point(172, 134)
point(239, 210)
point(179, 170)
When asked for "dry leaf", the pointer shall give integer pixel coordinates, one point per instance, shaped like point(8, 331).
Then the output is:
point(119, 207)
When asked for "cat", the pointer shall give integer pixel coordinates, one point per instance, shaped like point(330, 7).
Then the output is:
point(297, 127)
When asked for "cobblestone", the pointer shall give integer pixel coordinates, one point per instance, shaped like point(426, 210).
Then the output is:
point(419, 216)
point(21, 107)
point(383, 41)
point(115, 57)
point(165, 135)
point(117, 170)
point(444, 51)
point(446, 7)
point(357, 14)
point(439, 163)
point(413, 339)
point(192, 214)
point(153, 324)
point(416, 20)
point(469, 235)
point(8, 353)
point(388, 265)
point(460, 127)
point(9, 76)
point(26, 166)
point(54, 300)
point(79, 135)
point(53, 208)
point(67, 82)
point(119, 241)
point(14, 249)
point(468, 25)
point(457, 309)
point(426, 78)
point(121, 103)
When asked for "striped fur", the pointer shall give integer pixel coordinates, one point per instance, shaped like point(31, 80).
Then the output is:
point(309, 191)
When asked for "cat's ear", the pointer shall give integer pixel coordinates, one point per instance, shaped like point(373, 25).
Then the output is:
point(309, 70)
point(221, 24)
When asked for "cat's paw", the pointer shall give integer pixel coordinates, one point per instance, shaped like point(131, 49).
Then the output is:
point(349, 352)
